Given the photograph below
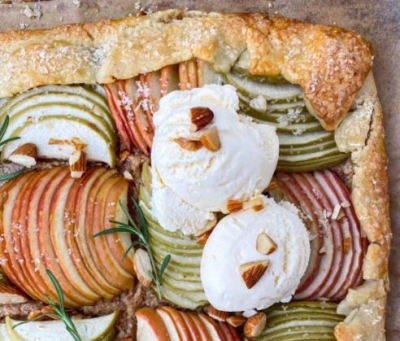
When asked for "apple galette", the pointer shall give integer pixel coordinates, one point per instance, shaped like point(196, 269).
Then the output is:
point(191, 176)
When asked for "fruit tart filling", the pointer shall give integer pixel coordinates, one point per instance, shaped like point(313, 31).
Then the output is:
point(181, 204)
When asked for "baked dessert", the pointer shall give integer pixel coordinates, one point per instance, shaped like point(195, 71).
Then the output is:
point(254, 148)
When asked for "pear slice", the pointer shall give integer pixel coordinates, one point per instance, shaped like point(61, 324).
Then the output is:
point(53, 127)
point(93, 329)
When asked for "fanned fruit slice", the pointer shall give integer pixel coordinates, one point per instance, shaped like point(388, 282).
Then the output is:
point(47, 221)
point(301, 321)
point(134, 101)
point(181, 283)
point(304, 144)
point(337, 245)
point(167, 323)
point(54, 116)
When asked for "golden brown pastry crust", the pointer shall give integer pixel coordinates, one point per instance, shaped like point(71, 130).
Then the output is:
point(329, 63)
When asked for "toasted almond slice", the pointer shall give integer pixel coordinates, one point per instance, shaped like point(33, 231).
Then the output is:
point(210, 140)
point(236, 320)
point(255, 325)
point(256, 203)
point(77, 163)
point(251, 272)
point(216, 314)
point(265, 244)
point(187, 144)
point(24, 155)
point(48, 309)
point(200, 117)
point(202, 239)
point(142, 267)
point(234, 205)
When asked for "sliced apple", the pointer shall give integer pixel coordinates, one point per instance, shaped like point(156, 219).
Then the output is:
point(43, 235)
point(150, 326)
point(102, 259)
point(57, 232)
point(101, 245)
point(19, 227)
point(181, 326)
point(10, 265)
point(170, 325)
point(204, 335)
point(80, 231)
point(191, 326)
point(70, 220)
point(169, 79)
point(213, 328)
point(99, 148)
point(93, 329)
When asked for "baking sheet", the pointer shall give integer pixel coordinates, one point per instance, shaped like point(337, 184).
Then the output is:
point(378, 20)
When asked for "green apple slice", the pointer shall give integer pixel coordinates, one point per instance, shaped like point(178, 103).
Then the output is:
point(93, 329)
point(96, 96)
point(60, 128)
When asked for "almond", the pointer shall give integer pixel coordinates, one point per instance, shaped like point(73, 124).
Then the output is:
point(234, 205)
point(210, 139)
point(77, 163)
point(255, 325)
point(273, 185)
point(236, 320)
point(265, 244)
point(216, 314)
point(34, 315)
point(190, 145)
point(200, 117)
point(251, 272)
point(24, 155)
point(256, 203)
point(142, 267)
point(202, 239)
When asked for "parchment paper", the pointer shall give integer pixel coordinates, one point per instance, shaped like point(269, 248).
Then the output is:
point(378, 20)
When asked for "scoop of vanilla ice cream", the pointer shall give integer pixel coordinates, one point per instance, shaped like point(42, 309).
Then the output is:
point(206, 180)
point(233, 243)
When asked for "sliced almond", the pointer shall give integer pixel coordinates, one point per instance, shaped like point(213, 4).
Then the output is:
point(256, 203)
point(77, 163)
point(236, 320)
point(75, 142)
point(142, 267)
point(190, 145)
point(251, 272)
point(24, 155)
point(210, 140)
point(234, 205)
point(200, 117)
point(273, 185)
point(127, 175)
point(265, 245)
point(34, 315)
point(216, 314)
point(255, 325)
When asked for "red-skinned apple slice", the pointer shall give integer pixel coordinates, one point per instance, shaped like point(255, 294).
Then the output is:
point(122, 126)
point(150, 326)
point(118, 243)
point(205, 336)
point(169, 79)
point(48, 256)
point(81, 222)
point(11, 267)
point(135, 90)
point(170, 325)
point(96, 225)
point(191, 325)
point(229, 331)
point(213, 328)
point(70, 221)
point(58, 234)
point(293, 192)
point(323, 210)
point(143, 101)
point(355, 251)
point(183, 330)
point(100, 258)
point(21, 234)
point(153, 82)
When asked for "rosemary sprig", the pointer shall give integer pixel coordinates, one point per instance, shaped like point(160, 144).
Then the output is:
point(3, 129)
point(58, 308)
point(142, 234)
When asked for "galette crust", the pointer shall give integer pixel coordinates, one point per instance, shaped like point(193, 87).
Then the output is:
point(329, 63)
